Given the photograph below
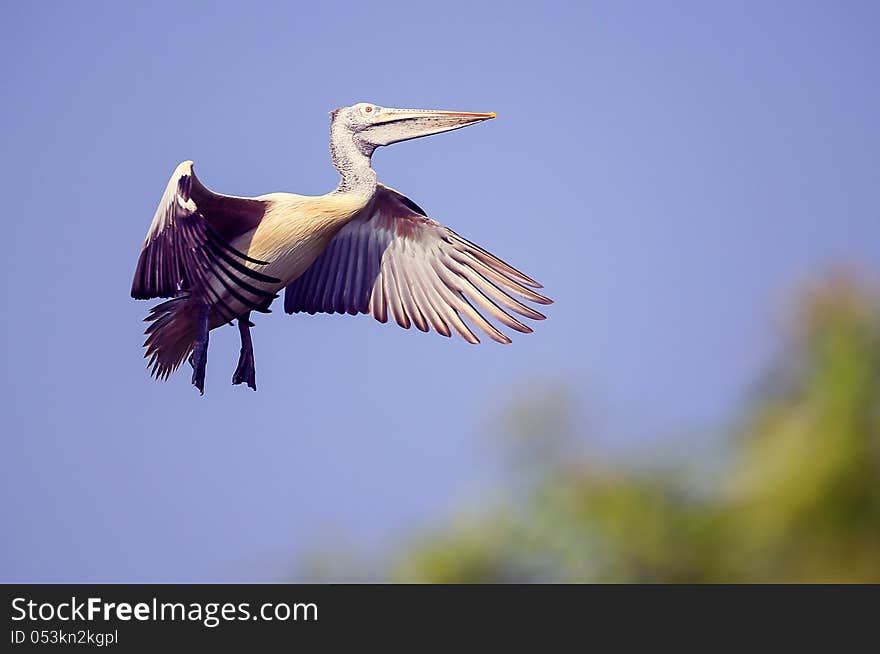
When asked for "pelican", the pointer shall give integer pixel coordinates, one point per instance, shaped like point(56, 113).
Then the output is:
point(362, 248)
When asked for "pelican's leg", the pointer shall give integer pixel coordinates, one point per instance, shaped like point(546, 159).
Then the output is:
point(199, 357)
point(245, 372)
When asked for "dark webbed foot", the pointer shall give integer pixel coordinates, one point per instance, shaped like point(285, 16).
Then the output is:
point(245, 372)
point(199, 357)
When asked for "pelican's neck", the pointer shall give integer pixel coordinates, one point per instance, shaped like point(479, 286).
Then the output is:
point(352, 160)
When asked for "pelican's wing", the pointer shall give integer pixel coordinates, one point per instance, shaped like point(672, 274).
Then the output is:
point(394, 259)
point(187, 247)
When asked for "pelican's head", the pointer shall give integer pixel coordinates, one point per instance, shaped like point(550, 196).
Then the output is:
point(371, 125)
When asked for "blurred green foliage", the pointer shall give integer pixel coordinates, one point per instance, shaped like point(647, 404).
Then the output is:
point(796, 498)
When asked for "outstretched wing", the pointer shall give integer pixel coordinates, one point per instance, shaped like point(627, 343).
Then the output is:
point(394, 259)
point(187, 247)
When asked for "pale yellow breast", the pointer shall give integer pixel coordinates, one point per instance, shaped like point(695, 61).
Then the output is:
point(295, 230)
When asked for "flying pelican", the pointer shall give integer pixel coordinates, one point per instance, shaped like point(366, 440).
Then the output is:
point(362, 248)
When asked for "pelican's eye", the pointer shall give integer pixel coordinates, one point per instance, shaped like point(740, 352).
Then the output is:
point(368, 109)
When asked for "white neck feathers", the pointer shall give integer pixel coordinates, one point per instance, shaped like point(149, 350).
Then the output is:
point(352, 159)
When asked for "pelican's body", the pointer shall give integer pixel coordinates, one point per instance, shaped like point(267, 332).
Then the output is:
point(294, 231)
point(363, 248)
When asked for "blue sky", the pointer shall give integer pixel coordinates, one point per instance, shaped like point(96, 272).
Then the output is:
point(672, 173)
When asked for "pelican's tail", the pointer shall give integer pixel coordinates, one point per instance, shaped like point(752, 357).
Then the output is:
point(170, 335)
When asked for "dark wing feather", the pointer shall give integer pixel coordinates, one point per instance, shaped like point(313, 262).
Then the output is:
point(187, 247)
point(394, 261)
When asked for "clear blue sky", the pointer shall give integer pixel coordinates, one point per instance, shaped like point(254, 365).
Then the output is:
point(670, 171)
